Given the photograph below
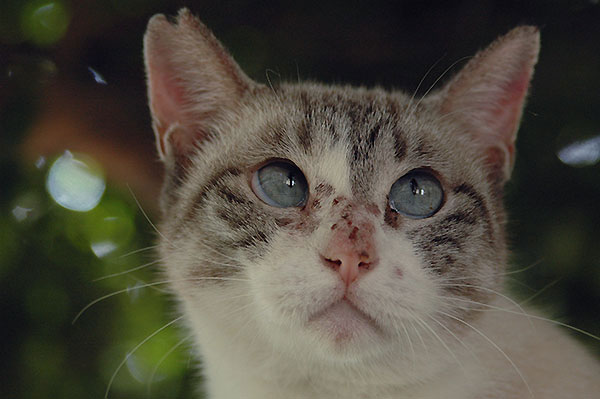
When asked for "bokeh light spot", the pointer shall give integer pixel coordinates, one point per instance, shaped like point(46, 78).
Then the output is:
point(75, 182)
point(44, 22)
point(97, 77)
point(27, 207)
point(40, 162)
point(581, 153)
point(20, 213)
point(103, 248)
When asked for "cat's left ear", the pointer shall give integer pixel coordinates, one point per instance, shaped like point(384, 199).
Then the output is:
point(488, 95)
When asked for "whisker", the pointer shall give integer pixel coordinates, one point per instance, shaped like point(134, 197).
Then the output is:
point(526, 268)
point(227, 298)
point(507, 273)
point(131, 352)
point(421, 82)
point(501, 295)
point(147, 217)
point(454, 336)
point(516, 281)
point(297, 70)
point(127, 271)
point(267, 71)
point(416, 106)
point(412, 348)
point(477, 303)
point(138, 251)
point(149, 285)
point(155, 288)
point(491, 342)
point(214, 262)
point(534, 317)
point(428, 327)
point(412, 323)
point(162, 359)
point(541, 291)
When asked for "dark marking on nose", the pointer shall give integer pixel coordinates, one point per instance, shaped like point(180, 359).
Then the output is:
point(347, 211)
point(353, 234)
point(373, 209)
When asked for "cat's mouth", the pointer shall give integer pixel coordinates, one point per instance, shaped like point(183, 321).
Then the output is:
point(343, 321)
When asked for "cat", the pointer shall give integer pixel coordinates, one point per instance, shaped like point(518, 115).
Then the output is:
point(338, 242)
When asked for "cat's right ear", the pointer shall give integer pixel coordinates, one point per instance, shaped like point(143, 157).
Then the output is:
point(488, 94)
point(192, 82)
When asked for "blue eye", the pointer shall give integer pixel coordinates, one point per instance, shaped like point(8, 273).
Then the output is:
point(417, 194)
point(280, 184)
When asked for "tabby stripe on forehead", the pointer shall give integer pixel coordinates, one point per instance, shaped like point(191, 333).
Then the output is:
point(399, 145)
point(359, 113)
point(307, 104)
point(304, 136)
point(361, 150)
point(373, 135)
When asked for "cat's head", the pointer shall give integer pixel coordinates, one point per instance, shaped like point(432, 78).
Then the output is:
point(332, 220)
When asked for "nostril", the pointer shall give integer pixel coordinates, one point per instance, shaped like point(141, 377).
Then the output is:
point(364, 265)
point(364, 261)
point(333, 263)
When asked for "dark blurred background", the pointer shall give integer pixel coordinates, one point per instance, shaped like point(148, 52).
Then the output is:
point(77, 155)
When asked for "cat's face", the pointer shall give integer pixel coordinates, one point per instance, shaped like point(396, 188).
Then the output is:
point(332, 221)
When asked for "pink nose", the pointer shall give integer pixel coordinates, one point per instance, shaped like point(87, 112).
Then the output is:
point(350, 250)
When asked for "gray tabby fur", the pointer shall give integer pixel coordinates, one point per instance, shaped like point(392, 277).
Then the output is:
point(433, 322)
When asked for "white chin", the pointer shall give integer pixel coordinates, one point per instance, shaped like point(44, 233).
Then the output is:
point(344, 325)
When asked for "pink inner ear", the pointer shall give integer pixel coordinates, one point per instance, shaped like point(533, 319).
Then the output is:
point(166, 96)
point(168, 101)
point(497, 162)
point(508, 112)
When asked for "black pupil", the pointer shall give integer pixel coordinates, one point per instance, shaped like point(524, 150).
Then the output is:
point(291, 181)
point(414, 186)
